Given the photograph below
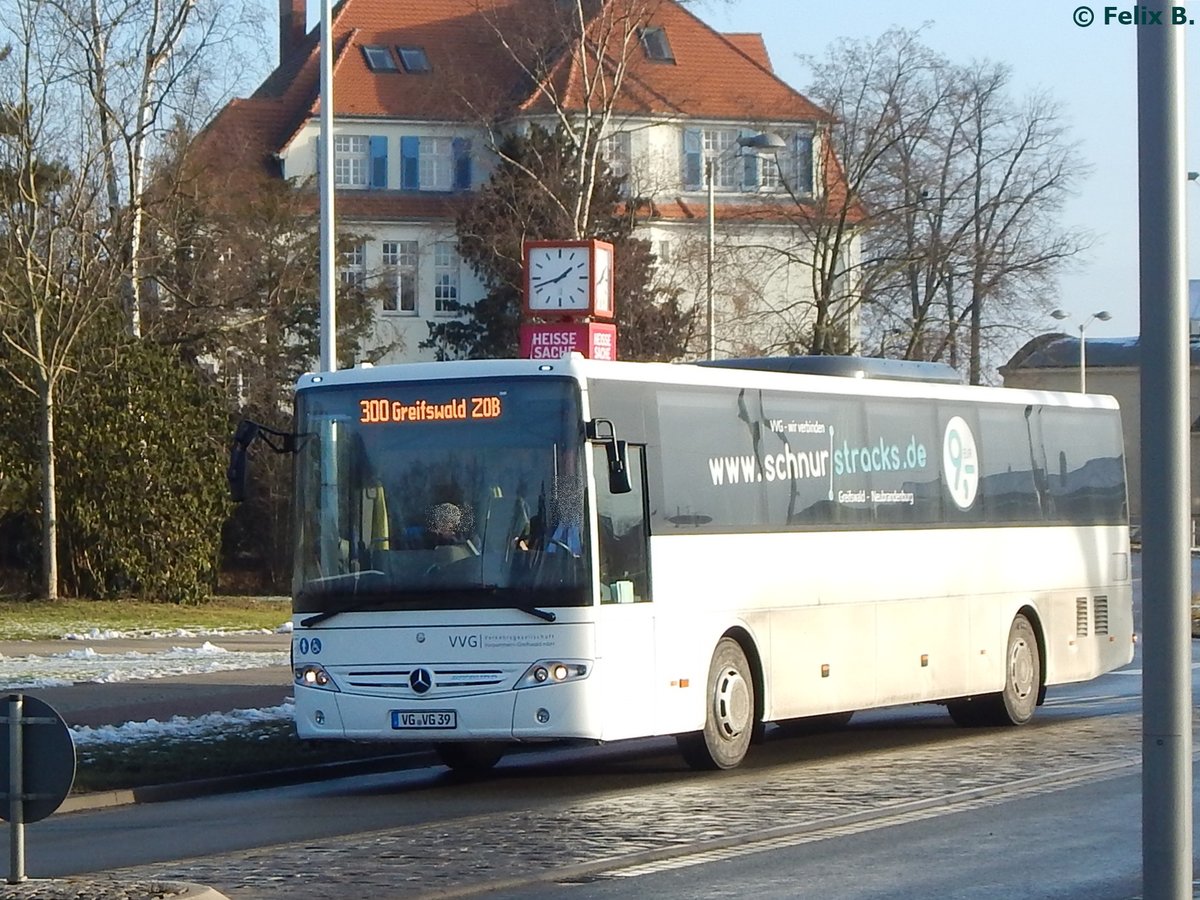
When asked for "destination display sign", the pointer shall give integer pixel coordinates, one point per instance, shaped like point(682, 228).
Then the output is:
point(381, 410)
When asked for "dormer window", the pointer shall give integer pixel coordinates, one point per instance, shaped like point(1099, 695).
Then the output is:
point(414, 59)
point(379, 59)
point(656, 45)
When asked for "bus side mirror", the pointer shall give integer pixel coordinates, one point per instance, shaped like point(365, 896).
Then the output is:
point(618, 467)
point(603, 432)
point(243, 437)
point(246, 434)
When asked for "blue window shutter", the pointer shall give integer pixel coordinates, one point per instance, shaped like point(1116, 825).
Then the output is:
point(750, 164)
point(804, 163)
point(462, 164)
point(410, 149)
point(379, 147)
point(693, 163)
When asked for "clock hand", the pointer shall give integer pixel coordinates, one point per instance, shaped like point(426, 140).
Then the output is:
point(556, 278)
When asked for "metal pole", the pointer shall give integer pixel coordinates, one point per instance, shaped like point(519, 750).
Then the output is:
point(1166, 494)
point(16, 790)
point(712, 239)
point(328, 282)
point(1082, 361)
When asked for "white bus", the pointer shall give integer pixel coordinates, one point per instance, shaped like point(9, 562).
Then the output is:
point(505, 551)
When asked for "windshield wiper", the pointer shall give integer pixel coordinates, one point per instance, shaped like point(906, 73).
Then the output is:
point(536, 611)
point(355, 606)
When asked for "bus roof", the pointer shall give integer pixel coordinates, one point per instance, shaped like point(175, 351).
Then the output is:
point(851, 377)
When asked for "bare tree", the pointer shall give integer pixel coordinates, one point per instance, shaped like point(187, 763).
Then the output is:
point(955, 190)
point(56, 271)
point(575, 61)
point(144, 65)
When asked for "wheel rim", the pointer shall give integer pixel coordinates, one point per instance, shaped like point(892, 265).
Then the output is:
point(1021, 669)
point(731, 704)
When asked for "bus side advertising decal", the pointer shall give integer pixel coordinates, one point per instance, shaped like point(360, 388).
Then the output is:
point(799, 460)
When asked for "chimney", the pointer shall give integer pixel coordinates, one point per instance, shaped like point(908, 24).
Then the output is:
point(293, 25)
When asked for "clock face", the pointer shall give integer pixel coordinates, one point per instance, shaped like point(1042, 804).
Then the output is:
point(559, 278)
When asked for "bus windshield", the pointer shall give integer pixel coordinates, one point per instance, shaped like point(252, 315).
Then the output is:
point(458, 494)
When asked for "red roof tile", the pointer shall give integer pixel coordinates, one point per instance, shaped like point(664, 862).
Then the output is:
point(753, 46)
point(473, 77)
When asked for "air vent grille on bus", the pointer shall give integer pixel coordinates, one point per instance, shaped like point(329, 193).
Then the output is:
point(1100, 613)
point(442, 677)
point(1081, 616)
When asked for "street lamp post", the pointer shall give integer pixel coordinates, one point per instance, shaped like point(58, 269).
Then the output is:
point(1103, 316)
point(765, 142)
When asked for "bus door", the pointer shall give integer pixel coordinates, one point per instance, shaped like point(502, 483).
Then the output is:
point(625, 664)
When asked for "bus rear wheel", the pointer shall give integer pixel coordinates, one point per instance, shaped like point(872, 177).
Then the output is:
point(729, 720)
point(470, 756)
point(1022, 683)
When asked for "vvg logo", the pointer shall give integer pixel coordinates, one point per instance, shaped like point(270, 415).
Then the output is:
point(464, 640)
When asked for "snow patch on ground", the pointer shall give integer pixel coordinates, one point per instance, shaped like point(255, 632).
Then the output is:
point(87, 665)
point(109, 634)
point(212, 726)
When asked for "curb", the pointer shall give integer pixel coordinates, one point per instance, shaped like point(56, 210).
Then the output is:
point(84, 888)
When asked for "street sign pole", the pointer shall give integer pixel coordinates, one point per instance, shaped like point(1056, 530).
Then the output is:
point(16, 790)
point(1166, 558)
point(39, 756)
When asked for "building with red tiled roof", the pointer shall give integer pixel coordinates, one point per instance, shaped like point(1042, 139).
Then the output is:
point(421, 88)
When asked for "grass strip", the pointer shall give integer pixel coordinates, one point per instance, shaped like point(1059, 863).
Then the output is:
point(51, 619)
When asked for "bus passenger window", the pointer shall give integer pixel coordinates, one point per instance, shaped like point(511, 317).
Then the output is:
point(623, 533)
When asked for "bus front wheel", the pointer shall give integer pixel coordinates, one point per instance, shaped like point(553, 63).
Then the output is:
point(470, 756)
point(1022, 683)
point(729, 720)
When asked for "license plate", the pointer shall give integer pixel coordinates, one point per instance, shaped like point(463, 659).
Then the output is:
point(425, 718)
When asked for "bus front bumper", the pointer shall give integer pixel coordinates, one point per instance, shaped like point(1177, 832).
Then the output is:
point(545, 712)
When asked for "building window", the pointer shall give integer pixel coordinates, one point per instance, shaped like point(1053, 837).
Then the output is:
point(351, 160)
point(379, 59)
point(353, 269)
point(400, 276)
point(662, 252)
point(445, 278)
point(413, 59)
point(768, 172)
point(720, 149)
point(436, 163)
point(656, 45)
point(616, 150)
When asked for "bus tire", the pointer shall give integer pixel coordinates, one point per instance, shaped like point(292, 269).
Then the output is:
point(1022, 684)
point(470, 756)
point(729, 722)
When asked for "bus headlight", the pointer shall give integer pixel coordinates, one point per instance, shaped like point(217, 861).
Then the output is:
point(553, 671)
point(314, 676)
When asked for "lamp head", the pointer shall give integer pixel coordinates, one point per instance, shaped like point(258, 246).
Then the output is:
point(1057, 314)
point(765, 141)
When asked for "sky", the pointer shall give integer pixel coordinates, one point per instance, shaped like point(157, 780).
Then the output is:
point(1091, 71)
